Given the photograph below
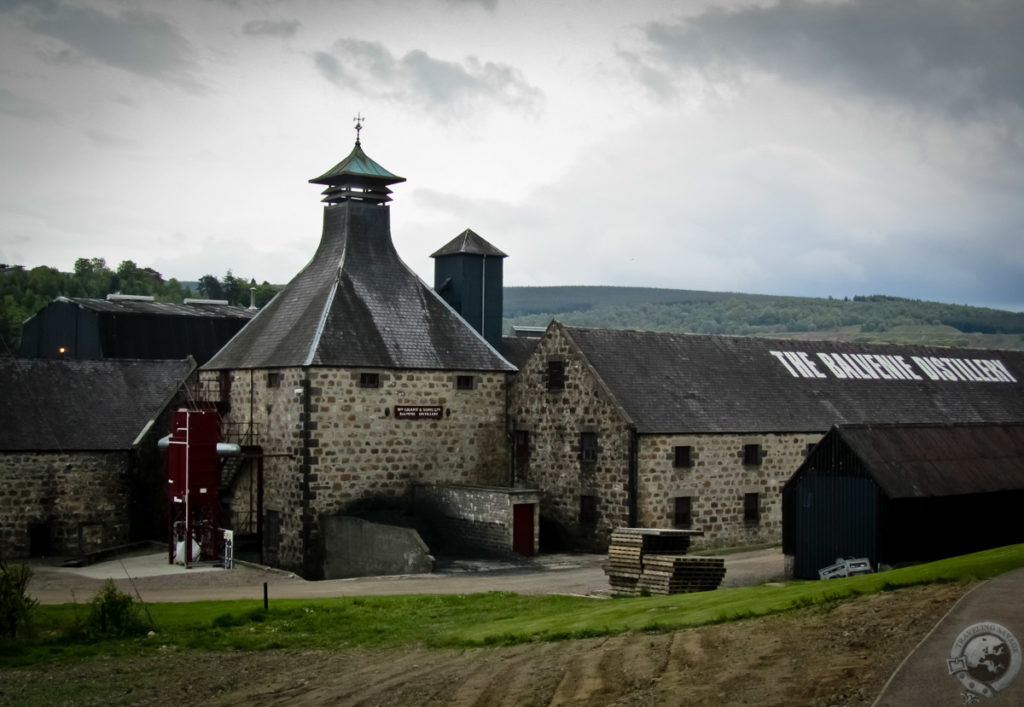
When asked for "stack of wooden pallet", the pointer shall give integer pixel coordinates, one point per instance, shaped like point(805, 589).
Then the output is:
point(670, 574)
point(653, 560)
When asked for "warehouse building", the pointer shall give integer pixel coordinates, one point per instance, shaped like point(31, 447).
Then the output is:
point(903, 493)
point(131, 326)
point(628, 428)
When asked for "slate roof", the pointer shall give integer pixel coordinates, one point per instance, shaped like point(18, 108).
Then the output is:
point(193, 309)
point(517, 349)
point(468, 243)
point(939, 460)
point(689, 383)
point(356, 304)
point(48, 405)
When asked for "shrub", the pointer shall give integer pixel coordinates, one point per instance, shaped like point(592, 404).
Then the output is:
point(114, 613)
point(15, 605)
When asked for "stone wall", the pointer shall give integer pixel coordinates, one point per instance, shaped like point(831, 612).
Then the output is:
point(716, 483)
point(554, 421)
point(473, 520)
point(335, 447)
point(72, 502)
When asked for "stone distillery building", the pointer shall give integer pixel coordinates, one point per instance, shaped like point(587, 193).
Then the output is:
point(629, 428)
point(358, 382)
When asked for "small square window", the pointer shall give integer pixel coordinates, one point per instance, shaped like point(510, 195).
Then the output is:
point(682, 456)
point(751, 507)
point(556, 375)
point(464, 382)
point(588, 510)
point(751, 454)
point(369, 380)
point(273, 379)
point(809, 448)
point(682, 515)
point(588, 446)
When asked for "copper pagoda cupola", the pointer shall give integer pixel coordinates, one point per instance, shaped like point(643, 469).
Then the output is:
point(357, 178)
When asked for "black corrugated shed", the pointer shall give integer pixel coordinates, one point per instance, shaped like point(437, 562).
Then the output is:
point(897, 493)
point(130, 328)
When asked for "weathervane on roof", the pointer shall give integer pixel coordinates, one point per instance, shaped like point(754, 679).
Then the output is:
point(359, 125)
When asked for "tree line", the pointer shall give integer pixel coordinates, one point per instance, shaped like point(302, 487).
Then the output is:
point(24, 291)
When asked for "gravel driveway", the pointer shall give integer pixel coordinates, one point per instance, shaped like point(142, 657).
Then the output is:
point(148, 575)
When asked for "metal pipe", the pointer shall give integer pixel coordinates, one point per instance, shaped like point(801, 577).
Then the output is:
point(224, 449)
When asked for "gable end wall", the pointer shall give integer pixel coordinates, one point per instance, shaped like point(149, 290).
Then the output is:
point(555, 419)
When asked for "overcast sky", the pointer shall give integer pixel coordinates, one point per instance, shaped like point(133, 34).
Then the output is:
point(795, 147)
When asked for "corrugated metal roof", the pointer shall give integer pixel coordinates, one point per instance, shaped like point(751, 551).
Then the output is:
point(468, 243)
point(940, 460)
point(195, 309)
point(689, 383)
point(357, 304)
point(48, 405)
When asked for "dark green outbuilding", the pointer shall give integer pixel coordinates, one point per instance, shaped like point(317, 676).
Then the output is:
point(904, 493)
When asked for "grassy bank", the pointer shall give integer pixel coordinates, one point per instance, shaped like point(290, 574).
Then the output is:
point(460, 620)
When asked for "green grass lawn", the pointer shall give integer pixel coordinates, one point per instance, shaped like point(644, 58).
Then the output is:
point(461, 620)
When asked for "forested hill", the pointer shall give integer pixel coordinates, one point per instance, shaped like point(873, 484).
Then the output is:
point(875, 318)
point(872, 318)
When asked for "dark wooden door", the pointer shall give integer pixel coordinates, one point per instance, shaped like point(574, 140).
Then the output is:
point(522, 528)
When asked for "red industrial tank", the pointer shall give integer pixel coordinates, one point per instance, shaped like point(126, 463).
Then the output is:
point(192, 462)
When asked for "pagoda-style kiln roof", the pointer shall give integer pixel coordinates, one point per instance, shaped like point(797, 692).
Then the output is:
point(356, 304)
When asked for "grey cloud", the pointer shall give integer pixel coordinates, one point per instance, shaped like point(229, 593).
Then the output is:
point(659, 83)
point(372, 69)
point(489, 5)
point(957, 56)
point(271, 28)
point(20, 107)
point(139, 42)
point(107, 139)
point(329, 67)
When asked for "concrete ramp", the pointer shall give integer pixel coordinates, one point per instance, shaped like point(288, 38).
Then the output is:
point(972, 656)
point(354, 547)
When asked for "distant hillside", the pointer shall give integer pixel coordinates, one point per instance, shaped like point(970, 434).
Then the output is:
point(873, 318)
